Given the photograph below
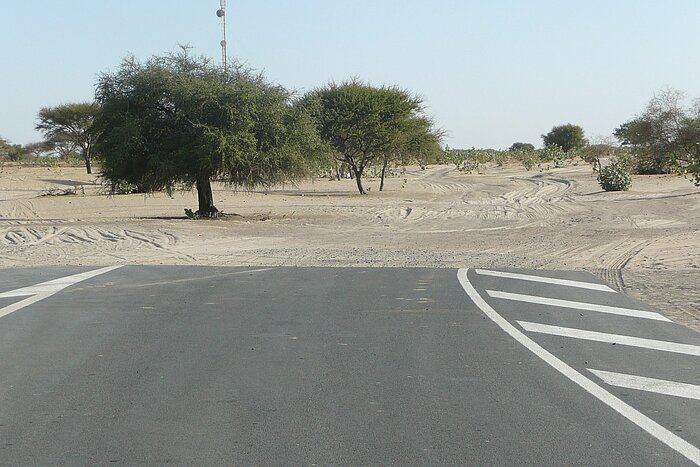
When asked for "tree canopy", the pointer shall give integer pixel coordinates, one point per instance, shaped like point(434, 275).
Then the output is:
point(665, 136)
point(363, 123)
point(566, 137)
point(70, 125)
point(177, 120)
point(521, 147)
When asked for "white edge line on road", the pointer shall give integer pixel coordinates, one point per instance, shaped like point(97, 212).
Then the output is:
point(22, 303)
point(44, 290)
point(546, 280)
point(55, 285)
point(620, 339)
point(613, 310)
point(647, 424)
point(642, 383)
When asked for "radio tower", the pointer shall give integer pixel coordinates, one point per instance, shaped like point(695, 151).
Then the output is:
point(221, 13)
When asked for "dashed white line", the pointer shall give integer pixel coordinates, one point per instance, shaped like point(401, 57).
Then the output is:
point(632, 341)
point(613, 310)
point(546, 280)
point(647, 424)
point(642, 383)
point(43, 290)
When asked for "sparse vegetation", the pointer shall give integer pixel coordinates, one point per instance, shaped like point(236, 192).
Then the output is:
point(469, 160)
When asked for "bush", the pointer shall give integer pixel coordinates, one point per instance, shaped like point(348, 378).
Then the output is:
point(615, 177)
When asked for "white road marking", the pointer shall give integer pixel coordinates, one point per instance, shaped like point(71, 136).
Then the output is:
point(642, 383)
point(653, 344)
point(43, 290)
point(647, 424)
point(613, 310)
point(546, 280)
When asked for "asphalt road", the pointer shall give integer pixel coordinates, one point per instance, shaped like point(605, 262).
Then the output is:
point(314, 366)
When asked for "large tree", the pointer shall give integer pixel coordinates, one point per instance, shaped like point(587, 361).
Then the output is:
point(666, 135)
point(179, 121)
point(70, 124)
point(363, 123)
point(567, 137)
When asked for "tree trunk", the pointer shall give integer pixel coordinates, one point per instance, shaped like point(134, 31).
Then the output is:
point(88, 162)
point(205, 197)
point(358, 177)
point(381, 184)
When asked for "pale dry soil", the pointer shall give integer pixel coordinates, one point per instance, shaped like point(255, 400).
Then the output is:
point(645, 242)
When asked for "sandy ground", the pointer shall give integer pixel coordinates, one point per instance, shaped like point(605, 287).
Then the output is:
point(645, 242)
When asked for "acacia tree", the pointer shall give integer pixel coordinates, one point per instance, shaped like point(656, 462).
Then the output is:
point(37, 149)
point(363, 123)
point(70, 124)
point(177, 120)
point(567, 137)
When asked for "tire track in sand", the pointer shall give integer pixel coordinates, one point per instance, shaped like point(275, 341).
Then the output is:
point(85, 240)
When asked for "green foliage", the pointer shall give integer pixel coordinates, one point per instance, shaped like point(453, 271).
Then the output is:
point(521, 147)
point(70, 125)
point(529, 159)
point(16, 153)
point(566, 137)
point(177, 120)
point(4, 149)
point(554, 153)
point(666, 136)
point(364, 124)
point(12, 152)
point(615, 177)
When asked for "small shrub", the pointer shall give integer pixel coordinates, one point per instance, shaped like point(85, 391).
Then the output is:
point(615, 177)
point(468, 166)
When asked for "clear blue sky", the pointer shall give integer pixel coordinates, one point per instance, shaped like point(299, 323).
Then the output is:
point(491, 72)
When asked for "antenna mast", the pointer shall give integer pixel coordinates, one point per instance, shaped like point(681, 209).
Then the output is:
point(221, 13)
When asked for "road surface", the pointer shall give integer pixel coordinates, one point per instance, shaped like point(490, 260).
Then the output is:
point(328, 366)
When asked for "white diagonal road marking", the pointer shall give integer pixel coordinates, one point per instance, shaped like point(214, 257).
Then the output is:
point(653, 344)
point(659, 432)
point(613, 310)
point(642, 383)
point(546, 280)
point(43, 290)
